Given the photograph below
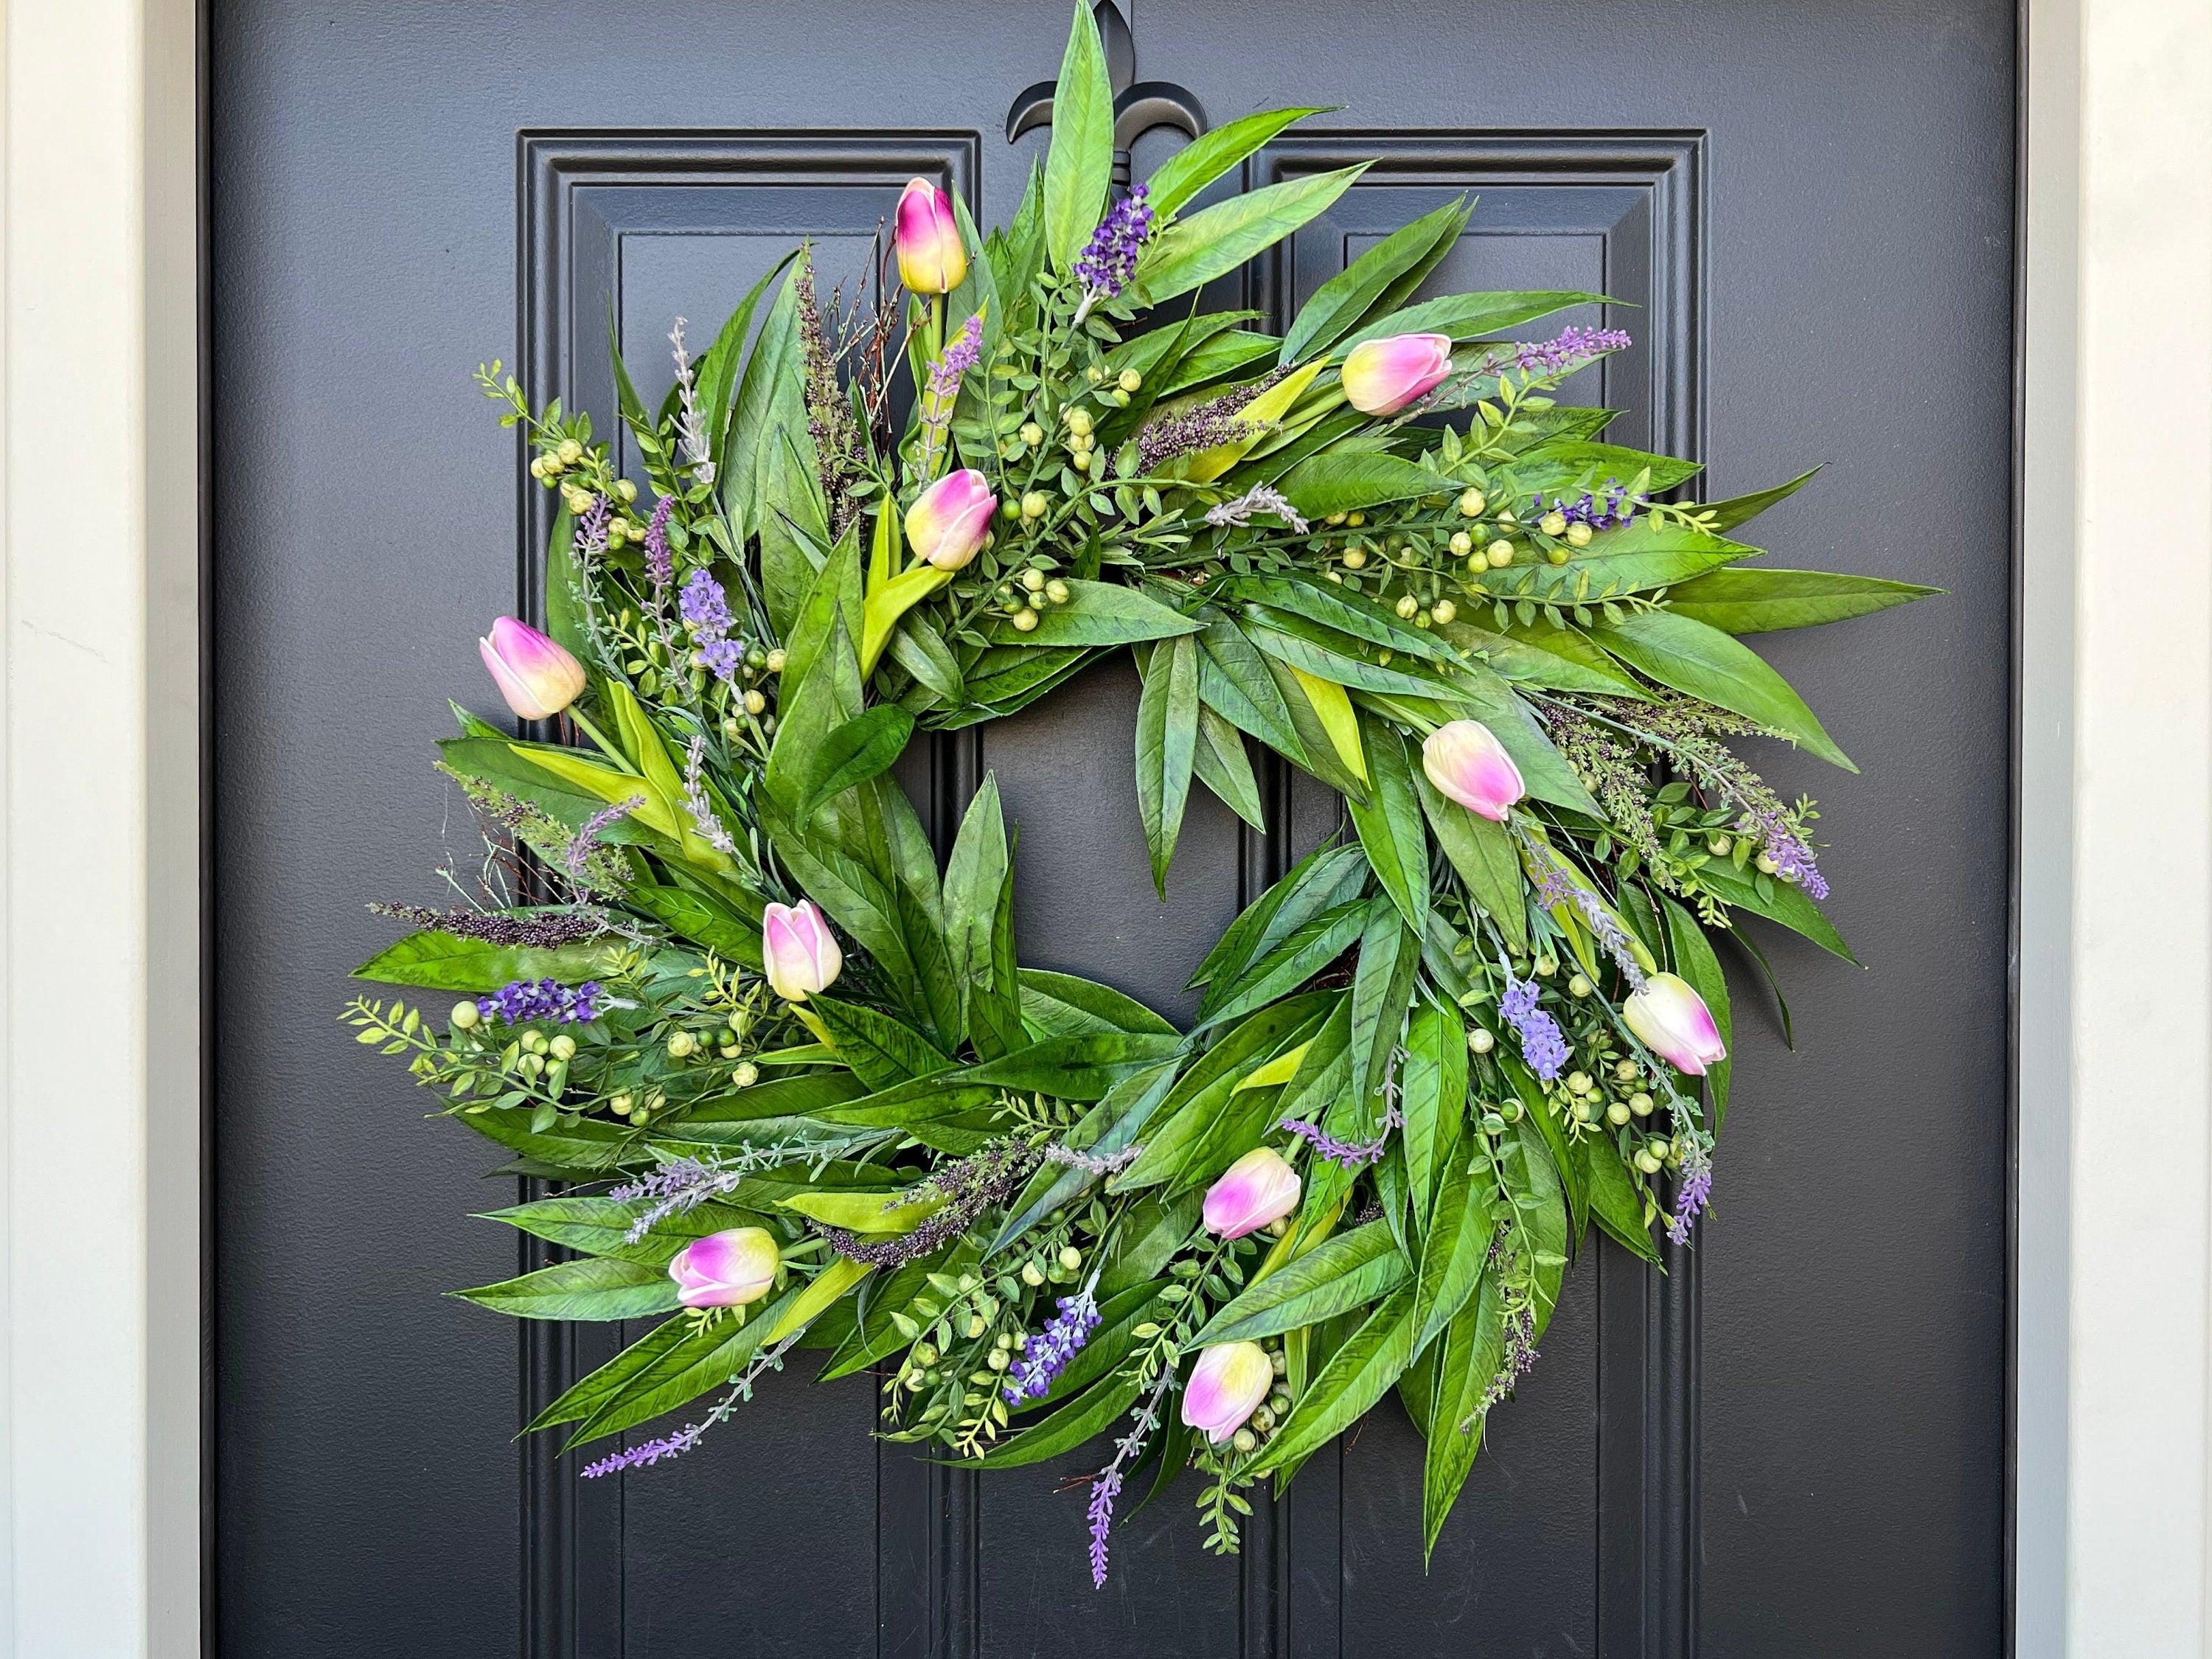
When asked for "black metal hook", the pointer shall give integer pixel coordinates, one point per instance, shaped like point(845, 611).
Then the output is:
point(1138, 106)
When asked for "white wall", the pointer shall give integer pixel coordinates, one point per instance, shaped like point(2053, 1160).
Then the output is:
point(2141, 1238)
point(99, 1464)
point(98, 983)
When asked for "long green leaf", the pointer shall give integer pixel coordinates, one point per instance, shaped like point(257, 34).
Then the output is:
point(1337, 1275)
point(1097, 613)
point(1199, 163)
point(590, 1287)
point(1079, 166)
point(446, 961)
point(1167, 742)
point(1223, 767)
point(1454, 1250)
point(1695, 961)
point(1482, 853)
point(1389, 825)
point(1381, 994)
point(1339, 303)
point(1209, 244)
point(1346, 483)
point(1357, 1376)
point(1761, 601)
point(1435, 1101)
point(1685, 653)
point(1473, 1352)
point(1468, 316)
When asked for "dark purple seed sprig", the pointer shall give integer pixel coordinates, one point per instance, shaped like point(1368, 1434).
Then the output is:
point(543, 932)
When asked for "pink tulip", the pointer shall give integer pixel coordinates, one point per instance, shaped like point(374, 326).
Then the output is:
point(948, 521)
point(1226, 1386)
point(1465, 760)
point(931, 258)
point(1257, 1189)
point(537, 679)
point(800, 952)
point(1380, 377)
point(724, 1270)
point(1671, 1020)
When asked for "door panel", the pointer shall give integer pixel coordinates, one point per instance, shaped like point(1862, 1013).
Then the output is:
point(1790, 1443)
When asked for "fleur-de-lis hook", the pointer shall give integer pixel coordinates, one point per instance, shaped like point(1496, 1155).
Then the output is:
point(1138, 106)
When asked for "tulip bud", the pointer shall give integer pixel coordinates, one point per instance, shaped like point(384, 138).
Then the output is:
point(931, 258)
point(1380, 377)
point(1671, 1020)
point(948, 521)
point(537, 679)
point(726, 1269)
point(1466, 761)
point(800, 952)
point(1257, 1189)
point(1226, 1386)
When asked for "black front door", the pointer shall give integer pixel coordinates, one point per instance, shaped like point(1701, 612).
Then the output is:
point(1791, 1445)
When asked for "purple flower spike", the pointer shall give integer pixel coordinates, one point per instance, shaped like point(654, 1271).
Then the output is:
point(1572, 348)
point(525, 999)
point(706, 612)
point(659, 560)
point(1103, 1491)
point(1107, 265)
point(1543, 1045)
point(1046, 1354)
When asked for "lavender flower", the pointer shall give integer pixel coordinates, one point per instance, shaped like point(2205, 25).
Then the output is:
point(973, 1184)
point(1103, 1491)
point(524, 1000)
point(1572, 348)
point(961, 352)
point(695, 802)
point(659, 559)
point(706, 612)
point(1108, 1486)
point(592, 532)
point(576, 860)
point(691, 424)
point(1543, 1045)
point(1615, 511)
point(942, 391)
point(1094, 1165)
point(1557, 888)
point(543, 932)
point(1105, 267)
point(1696, 1190)
point(676, 1444)
point(646, 1453)
point(1259, 498)
point(1045, 1353)
point(1793, 860)
point(1354, 1155)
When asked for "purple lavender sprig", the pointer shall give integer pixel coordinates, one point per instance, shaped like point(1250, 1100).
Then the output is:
point(1543, 1045)
point(1103, 1491)
point(588, 838)
point(659, 557)
point(1793, 858)
point(1354, 1154)
point(1105, 267)
point(706, 612)
point(961, 352)
point(1696, 1190)
point(524, 1000)
point(1045, 1353)
point(1616, 509)
point(1570, 350)
point(1108, 1486)
point(676, 1444)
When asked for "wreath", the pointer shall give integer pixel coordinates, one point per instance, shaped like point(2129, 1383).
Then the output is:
point(787, 1081)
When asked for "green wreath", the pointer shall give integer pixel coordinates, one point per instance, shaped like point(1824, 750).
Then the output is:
point(786, 1078)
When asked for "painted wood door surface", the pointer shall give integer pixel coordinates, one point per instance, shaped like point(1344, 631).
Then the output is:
point(1791, 1443)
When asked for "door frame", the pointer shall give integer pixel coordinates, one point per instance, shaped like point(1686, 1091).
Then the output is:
point(104, 381)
